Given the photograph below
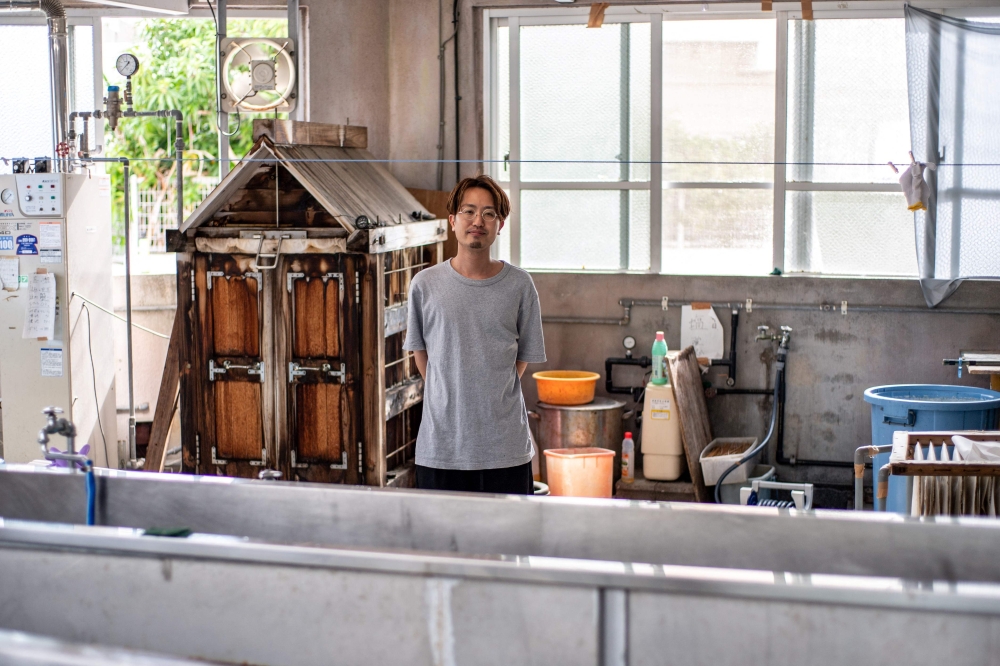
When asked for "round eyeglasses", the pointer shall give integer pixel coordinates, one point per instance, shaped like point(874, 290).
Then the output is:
point(469, 214)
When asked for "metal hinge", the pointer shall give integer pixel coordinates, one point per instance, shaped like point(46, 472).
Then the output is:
point(342, 465)
point(343, 461)
point(263, 459)
point(255, 369)
point(193, 296)
point(296, 370)
point(297, 465)
point(216, 461)
point(357, 287)
point(292, 277)
point(361, 462)
point(197, 453)
point(340, 282)
point(213, 274)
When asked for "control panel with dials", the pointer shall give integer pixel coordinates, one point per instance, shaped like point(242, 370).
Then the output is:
point(34, 194)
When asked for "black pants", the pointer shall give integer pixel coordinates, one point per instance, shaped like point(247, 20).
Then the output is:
point(510, 480)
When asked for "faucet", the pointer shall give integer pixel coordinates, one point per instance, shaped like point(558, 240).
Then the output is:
point(783, 338)
point(64, 427)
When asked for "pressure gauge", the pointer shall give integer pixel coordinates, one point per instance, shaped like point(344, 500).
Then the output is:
point(127, 64)
point(629, 342)
point(7, 196)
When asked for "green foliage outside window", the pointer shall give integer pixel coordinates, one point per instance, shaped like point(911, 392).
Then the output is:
point(177, 71)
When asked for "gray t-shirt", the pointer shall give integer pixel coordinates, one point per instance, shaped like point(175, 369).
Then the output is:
point(474, 331)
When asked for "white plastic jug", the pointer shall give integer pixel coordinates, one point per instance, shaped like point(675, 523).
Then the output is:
point(662, 450)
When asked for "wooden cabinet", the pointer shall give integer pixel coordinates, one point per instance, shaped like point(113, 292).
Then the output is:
point(293, 326)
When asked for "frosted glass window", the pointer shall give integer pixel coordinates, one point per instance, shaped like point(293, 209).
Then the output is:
point(502, 243)
point(27, 125)
point(718, 99)
point(578, 101)
point(574, 229)
point(717, 231)
point(849, 233)
point(847, 99)
point(503, 101)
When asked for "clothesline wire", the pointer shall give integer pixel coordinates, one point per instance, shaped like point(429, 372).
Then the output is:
point(271, 160)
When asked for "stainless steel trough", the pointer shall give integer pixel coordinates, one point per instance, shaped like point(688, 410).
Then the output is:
point(421, 578)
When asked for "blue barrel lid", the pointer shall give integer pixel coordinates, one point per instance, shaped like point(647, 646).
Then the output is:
point(933, 397)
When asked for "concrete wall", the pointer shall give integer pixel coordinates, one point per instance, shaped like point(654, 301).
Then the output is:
point(833, 357)
point(377, 61)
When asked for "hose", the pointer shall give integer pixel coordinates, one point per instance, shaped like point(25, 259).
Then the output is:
point(91, 493)
point(779, 370)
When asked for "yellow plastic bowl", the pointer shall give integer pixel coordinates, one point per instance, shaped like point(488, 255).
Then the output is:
point(566, 387)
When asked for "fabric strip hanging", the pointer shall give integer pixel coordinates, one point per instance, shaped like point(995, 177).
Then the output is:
point(953, 66)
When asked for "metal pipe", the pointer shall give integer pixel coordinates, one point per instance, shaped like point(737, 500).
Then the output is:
point(624, 321)
point(861, 456)
point(882, 489)
point(178, 150)
point(58, 73)
point(128, 301)
point(823, 307)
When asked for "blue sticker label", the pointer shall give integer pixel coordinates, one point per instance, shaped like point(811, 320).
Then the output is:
point(6, 242)
point(27, 244)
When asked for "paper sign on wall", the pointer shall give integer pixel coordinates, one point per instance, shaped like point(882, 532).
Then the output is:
point(8, 273)
point(52, 362)
point(50, 235)
point(702, 329)
point(40, 316)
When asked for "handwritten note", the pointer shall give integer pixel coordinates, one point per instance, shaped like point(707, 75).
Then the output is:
point(40, 316)
point(8, 273)
point(702, 329)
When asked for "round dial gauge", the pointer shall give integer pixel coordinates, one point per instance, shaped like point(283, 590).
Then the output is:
point(629, 342)
point(127, 64)
point(7, 196)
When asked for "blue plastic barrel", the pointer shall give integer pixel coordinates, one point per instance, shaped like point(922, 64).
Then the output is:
point(925, 407)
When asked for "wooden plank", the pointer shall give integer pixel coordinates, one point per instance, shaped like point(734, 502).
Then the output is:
point(310, 133)
point(402, 397)
point(189, 388)
point(235, 307)
point(318, 420)
point(165, 399)
point(372, 342)
point(404, 476)
point(696, 431)
point(914, 468)
point(397, 237)
point(395, 319)
point(238, 425)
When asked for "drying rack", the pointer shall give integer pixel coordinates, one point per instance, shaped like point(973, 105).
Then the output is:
point(937, 483)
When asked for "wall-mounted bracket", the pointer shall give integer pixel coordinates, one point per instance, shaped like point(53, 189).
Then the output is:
point(263, 459)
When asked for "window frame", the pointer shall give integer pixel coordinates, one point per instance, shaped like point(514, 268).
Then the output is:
point(513, 19)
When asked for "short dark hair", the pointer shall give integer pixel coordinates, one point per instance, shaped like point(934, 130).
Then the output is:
point(500, 200)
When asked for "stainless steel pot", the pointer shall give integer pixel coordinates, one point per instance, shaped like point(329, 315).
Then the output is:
point(599, 423)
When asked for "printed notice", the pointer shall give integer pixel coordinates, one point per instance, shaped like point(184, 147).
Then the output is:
point(52, 362)
point(50, 235)
point(50, 256)
point(660, 409)
point(40, 316)
point(8, 273)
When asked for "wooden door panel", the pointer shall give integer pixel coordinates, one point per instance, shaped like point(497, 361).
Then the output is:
point(321, 370)
point(239, 433)
point(235, 321)
point(316, 330)
point(319, 423)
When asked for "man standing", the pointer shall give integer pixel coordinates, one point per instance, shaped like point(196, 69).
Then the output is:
point(474, 325)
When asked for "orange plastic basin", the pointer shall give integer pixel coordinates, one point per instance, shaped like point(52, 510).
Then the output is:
point(566, 387)
point(583, 472)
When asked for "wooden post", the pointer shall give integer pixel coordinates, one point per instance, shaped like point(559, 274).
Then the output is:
point(373, 368)
point(165, 400)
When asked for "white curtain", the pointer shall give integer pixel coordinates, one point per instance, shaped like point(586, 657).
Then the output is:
point(953, 66)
